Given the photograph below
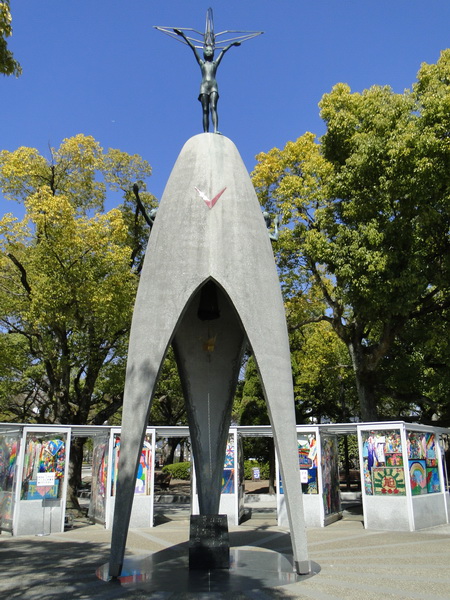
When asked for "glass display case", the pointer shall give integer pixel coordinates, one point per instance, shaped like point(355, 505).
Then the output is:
point(403, 479)
point(106, 481)
point(423, 463)
point(99, 484)
point(232, 492)
point(144, 477)
point(228, 483)
point(41, 494)
point(318, 459)
point(9, 448)
point(383, 469)
point(329, 461)
point(44, 466)
point(307, 460)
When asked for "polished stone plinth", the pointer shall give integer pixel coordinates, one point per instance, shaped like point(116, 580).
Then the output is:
point(249, 569)
point(209, 542)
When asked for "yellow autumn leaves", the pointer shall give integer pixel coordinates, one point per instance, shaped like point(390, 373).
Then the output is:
point(71, 265)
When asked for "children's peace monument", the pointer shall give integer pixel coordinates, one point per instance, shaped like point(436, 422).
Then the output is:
point(209, 287)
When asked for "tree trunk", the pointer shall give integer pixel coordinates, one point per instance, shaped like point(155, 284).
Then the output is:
point(182, 444)
point(172, 443)
point(365, 382)
point(75, 468)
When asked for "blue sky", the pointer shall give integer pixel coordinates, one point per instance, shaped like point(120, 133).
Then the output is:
point(99, 68)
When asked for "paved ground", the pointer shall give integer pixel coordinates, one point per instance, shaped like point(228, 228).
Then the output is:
point(348, 561)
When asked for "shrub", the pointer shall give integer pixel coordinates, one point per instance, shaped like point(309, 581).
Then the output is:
point(251, 464)
point(179, 470)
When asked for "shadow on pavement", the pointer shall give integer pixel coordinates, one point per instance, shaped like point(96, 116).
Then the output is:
point(50, 569)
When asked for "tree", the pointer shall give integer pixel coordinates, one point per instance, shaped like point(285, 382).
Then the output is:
point(168, 406)
point(68, 282)
point(323, 380)
point(415, 376)
point(368, 212)
point(250, 409)
point(8, 65)
point(324, 387)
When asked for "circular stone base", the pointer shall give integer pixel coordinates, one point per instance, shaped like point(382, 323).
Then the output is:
point(253, 568)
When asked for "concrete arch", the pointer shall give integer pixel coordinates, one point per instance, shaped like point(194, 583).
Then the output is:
point(209, 227)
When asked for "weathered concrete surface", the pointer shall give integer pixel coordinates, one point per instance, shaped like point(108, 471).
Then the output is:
point(354, 563)
point(209, 226)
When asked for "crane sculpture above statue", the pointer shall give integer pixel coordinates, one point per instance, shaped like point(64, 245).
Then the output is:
point(209, 42)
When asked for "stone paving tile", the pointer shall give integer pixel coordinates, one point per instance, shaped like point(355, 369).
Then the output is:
point(353, 563)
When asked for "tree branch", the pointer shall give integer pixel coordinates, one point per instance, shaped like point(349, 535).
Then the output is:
point(23, 273)
point(107, 412)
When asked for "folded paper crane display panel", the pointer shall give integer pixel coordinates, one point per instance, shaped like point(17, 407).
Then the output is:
point(423, 463)
point(418, 475)
point(383, 462)
point(388, 481)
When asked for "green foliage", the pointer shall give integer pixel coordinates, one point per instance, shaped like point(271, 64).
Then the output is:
point(257, 447)
point(324, 384)
point(168, 406)
point(69, 280)
point(250, 406)
point(8, 65)
point(250, 409)
point(415, 378)
point(179, 470)
point(249, 465)
point(352, 450)
point(369, 217)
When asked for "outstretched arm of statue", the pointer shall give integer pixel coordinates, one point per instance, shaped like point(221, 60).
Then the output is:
point(189, 43)
point(219, 58)
point(150, 219)
point(276, 221)
point(275, 233)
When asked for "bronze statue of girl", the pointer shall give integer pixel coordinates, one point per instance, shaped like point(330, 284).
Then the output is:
point(209, 92)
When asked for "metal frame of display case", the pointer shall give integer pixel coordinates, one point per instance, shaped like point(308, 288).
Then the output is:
point(11, 441)
point(231, 501)
point(45, 515)
point(314, 502)
point(394, 506)
point(408, 512)
point(142, 511)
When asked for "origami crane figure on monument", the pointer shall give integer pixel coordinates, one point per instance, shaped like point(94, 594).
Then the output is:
point(209, 287)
